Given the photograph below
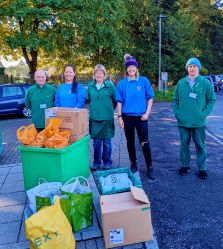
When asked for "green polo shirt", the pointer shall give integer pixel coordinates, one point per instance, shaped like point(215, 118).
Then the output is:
point(38, 99)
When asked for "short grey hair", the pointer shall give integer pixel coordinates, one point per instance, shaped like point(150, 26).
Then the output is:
point(99, 67)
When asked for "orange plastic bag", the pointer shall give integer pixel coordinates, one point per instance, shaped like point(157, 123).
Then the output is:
point(52, 128)
point(26, 134)
point(58, 140)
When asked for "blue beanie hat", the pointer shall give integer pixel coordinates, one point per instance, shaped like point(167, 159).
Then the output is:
point(130, 61)
point(193, 61)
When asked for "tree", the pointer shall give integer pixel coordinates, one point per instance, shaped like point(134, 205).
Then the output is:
point(63, 28)
point(141, 25)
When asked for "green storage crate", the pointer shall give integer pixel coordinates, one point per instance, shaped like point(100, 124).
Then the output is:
point(55, 164)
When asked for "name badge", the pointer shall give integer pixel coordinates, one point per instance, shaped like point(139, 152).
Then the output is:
point(193, 95)
point(42, 106)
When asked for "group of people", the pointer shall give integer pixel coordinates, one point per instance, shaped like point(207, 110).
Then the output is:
point(192, 102)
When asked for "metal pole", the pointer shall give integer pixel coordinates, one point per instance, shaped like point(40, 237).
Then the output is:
point(160, 34)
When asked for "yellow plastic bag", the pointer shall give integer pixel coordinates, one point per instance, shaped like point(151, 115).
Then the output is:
point(50, 229)
point(27, 134)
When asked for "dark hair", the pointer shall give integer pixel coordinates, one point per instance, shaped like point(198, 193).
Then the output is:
point(74, 83)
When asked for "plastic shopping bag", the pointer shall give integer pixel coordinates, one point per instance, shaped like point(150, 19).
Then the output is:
point(50, 229)
point(80, 202)
point(41, 194)
point(53, 127)
point(26, 134)
point(58, 140)
point(115, 182)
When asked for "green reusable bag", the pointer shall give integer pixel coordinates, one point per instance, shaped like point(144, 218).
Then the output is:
point(80, 203)
point(65, 205)
point(42, 202)
point(44, 197)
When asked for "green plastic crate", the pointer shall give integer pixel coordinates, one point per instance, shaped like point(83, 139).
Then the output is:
point(55, 164)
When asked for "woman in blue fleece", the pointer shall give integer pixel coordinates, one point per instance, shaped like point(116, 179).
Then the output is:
point(134, 96)
point(70, 94)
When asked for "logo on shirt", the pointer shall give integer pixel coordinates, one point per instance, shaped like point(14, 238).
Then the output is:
point(139, 88)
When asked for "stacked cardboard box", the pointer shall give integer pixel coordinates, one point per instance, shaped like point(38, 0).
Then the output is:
point(74, 119)
point(126, 218)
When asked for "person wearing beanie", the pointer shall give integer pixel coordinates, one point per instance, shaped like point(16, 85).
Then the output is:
point(193, 101)
point(134, 96)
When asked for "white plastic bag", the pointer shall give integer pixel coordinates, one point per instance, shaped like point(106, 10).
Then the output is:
point(115, 182)
point(44, 189)
point(75, 186)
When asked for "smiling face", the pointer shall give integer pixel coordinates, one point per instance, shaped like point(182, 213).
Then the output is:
point(99, 76)
point(69, 74)
point(193, 70)
point(132, 71)
point(40, 78)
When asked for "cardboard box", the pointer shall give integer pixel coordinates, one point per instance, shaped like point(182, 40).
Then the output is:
point(74, 138)
point(74, 119)
point(126, 218)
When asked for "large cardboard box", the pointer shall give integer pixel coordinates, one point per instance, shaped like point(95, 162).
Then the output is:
point(126, 218)
point(74, 119)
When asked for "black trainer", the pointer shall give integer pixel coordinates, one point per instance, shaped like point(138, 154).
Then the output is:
point(202, 174)
point(184, 171)
point(134, 167)
point(150, 173)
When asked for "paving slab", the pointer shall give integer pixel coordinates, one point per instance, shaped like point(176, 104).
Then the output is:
point(2, 178)
point(11, 213)
point(12, 199)
point(14, 177)
point(4, 171)
point(20, 245)
point(12, 187)
point(16, 169)
point(9, 234)
point(22, 233)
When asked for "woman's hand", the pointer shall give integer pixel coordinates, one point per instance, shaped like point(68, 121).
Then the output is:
point(121, 122)
point(145, 117)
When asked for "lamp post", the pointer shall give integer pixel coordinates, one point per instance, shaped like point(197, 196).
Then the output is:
point(160, 38)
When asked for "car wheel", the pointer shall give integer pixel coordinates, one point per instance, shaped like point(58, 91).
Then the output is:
point(215, 88)
point(26, 112)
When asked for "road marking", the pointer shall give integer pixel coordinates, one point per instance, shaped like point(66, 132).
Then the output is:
point(214, 137)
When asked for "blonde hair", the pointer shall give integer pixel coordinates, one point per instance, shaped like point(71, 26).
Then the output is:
point(99, 67)
point(137, 73)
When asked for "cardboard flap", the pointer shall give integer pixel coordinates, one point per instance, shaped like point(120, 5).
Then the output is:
point(139, 194)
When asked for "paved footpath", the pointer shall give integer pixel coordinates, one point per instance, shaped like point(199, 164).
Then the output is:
point(186, 211)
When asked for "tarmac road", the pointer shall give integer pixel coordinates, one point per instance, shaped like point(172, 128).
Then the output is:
point(186, 211)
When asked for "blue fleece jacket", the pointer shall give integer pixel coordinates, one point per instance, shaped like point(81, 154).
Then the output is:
point(134, 95)
point(64, 97)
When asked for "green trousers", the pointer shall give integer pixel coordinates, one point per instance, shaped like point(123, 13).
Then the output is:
point(198, 136)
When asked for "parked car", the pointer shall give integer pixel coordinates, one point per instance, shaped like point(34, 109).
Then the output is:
point(217, 82)
point(12, 99)
point(210, 79)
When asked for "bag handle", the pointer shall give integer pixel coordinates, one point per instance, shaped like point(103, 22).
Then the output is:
point(42, 180)
point(77, 178)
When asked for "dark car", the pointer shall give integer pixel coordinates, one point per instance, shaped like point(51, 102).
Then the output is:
point(12, 99)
